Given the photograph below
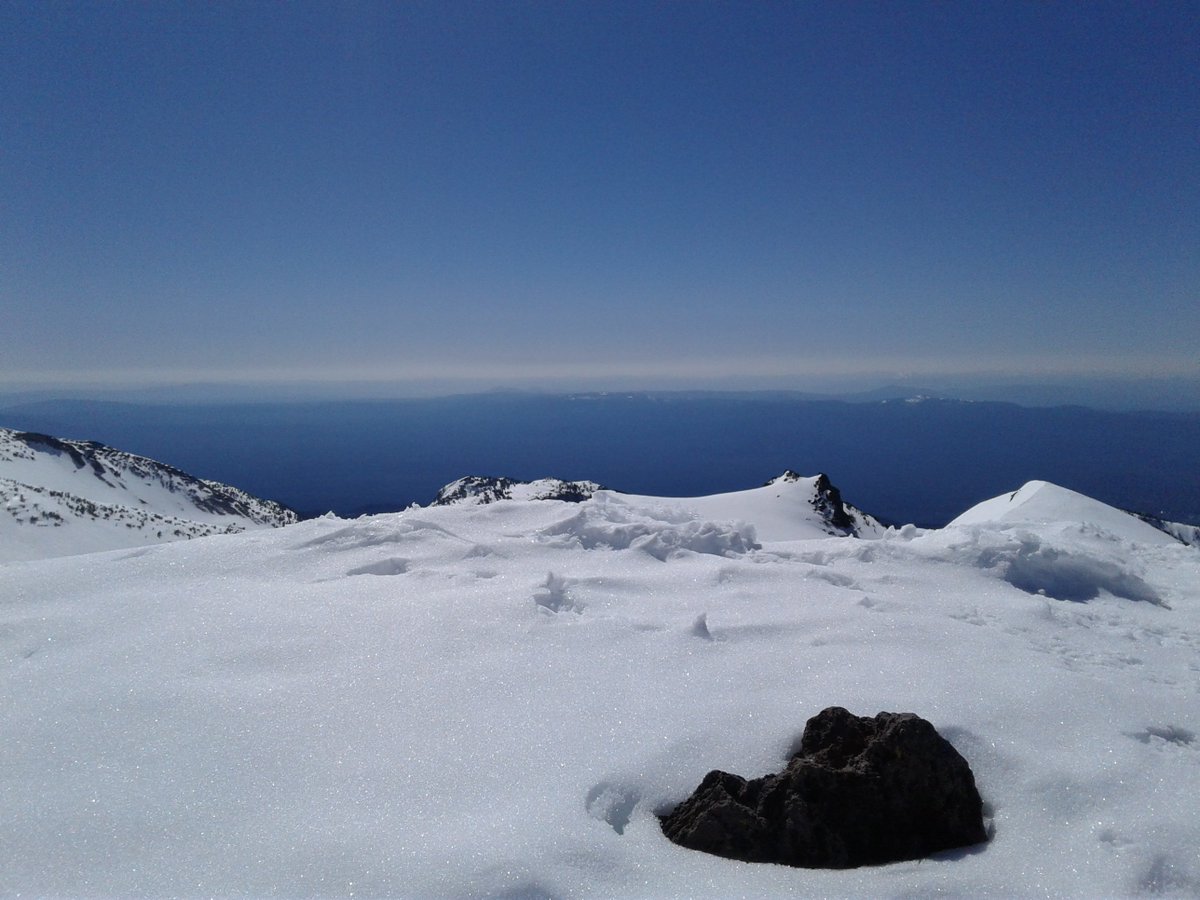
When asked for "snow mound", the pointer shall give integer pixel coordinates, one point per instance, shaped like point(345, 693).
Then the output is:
point(1043, 503)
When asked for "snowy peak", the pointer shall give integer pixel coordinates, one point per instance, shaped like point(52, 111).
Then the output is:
point(826, 502)
point(1043, 503)
point(835, 515)
point(60, 497)
point(478, 490)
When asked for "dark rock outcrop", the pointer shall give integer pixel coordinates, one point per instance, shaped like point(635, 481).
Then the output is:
point(484, 489)
point(839, 517)
point(860, 791)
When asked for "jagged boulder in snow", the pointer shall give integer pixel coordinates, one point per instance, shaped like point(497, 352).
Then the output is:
point(860, 791)
point(478, 490)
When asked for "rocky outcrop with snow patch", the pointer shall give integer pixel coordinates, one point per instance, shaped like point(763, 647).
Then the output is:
point(839, 517)
point(1188, 534)
point(478, 490)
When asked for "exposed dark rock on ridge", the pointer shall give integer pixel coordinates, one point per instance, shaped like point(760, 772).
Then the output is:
point(860, 791)
point(840, 517)
point(1181, 531)
point(828, 502)
point(483, 489)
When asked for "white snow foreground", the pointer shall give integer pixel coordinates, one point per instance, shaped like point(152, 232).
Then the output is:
point(61, 497)
point(494, 701)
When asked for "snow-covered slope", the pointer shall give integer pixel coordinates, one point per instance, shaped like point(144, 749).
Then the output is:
point(60, 497)
point(495, 700)
point(1042, 503)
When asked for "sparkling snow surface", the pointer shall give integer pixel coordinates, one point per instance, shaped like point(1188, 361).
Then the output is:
point(494, 701)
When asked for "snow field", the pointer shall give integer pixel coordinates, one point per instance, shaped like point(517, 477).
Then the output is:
point(495, 700)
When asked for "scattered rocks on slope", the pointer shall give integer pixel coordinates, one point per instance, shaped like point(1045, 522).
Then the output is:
point(122, 471)
point(860, 791)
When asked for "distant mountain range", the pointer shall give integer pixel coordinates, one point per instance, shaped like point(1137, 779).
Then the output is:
point(61, 497)
point(923, 461)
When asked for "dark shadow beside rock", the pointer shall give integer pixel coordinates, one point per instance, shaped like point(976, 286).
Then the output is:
point(860, 791)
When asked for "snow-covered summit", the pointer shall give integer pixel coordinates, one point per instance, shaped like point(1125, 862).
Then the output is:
point(1043, 503)
point(62, 497)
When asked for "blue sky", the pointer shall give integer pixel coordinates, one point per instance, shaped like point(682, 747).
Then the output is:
point(597, 193)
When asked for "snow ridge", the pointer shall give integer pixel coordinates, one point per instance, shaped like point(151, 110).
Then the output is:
point(1188, 534)
point(788, 506)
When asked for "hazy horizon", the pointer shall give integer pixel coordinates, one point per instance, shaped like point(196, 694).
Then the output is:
point(1119, 394)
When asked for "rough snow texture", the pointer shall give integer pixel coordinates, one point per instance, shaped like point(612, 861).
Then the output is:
point(860, 791)
point(60, 497)
point(499, 701)
point(481, 489)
